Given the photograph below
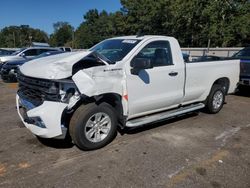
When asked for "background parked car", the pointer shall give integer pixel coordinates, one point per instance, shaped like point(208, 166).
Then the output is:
point(185, 57)
point(4, 52)
point(26, 53)
point(207, 58)
point(244, 56)
point(66, 49)
point(9, 69)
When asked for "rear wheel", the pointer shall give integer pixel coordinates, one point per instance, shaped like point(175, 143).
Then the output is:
point(215, 99)
point(93, 126)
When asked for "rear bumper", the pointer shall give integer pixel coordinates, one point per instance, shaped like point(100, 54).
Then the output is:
point(44, 120)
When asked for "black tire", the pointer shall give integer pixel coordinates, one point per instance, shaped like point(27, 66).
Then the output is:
point(213, 104)
point(78, 125)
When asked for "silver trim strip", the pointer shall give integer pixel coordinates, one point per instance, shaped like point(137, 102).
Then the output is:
point(164, 115)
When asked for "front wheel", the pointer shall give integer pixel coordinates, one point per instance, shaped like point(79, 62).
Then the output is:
point(215, 99)
point(93, 126)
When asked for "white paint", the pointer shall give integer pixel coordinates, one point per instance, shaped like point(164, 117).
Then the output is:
point(50, 113)
point(98, 80)
point(149, 93)
point(103, 79)
point(201, 76)
point(161, 92)
point(53, 67)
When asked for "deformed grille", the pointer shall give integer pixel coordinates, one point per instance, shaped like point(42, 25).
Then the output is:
point(37, 90)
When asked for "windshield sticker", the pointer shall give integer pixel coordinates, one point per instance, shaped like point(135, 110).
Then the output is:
point(129, 41)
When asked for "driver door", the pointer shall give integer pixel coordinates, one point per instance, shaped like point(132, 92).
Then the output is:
point(158, 88)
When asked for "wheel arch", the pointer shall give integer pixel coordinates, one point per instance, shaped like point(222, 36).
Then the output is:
point(113, 99)
point(224, 82)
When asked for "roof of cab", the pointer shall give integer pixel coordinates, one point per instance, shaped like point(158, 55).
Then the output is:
point(140, 37)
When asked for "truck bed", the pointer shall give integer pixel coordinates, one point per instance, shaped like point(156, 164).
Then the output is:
point(201, 75)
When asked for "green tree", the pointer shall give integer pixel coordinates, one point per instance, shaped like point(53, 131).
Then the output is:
point(147, 16)
point(192, 22)
point(95, 27)
point(229, 22)
point(20, 36)
point(188, 22)
point(63, 34)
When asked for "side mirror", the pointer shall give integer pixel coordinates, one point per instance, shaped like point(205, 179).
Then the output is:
point(22, 55)
point(138, 64)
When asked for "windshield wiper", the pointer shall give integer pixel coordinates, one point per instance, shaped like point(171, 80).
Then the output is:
point(102, 58)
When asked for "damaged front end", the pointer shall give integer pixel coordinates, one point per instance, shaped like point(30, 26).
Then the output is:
point(46, 102)
point(41, 103)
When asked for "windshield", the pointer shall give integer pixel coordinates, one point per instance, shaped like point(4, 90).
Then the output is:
point(18, 51)
point(115, 49)
point(243, 53)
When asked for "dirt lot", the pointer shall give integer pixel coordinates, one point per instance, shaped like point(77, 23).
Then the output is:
point(193, 151)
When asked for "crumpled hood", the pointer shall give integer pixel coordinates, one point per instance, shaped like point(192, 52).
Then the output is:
point(53, 67)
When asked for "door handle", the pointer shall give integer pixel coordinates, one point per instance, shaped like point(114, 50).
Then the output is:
point(173, 73)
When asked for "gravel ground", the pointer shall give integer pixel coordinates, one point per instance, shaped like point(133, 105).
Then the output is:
point(197, 150)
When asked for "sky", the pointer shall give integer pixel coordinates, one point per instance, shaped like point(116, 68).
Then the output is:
point(41, 14)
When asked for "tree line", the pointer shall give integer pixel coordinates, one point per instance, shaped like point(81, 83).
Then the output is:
point(225, 23)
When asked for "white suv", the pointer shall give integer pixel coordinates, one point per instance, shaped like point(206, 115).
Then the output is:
point(26, 53)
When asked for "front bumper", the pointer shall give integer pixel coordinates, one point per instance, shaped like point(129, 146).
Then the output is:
point(44, 120)
point(8, 75)
point(244, 81)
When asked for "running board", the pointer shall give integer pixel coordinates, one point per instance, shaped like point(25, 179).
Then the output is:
point(163, 115)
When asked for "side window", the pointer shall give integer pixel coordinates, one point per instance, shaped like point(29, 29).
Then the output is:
point(158, 52)
point(40, 51)
point(67, 49)
point(31, 52)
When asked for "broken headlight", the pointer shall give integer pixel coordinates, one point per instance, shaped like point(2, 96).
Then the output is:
point(68, 91)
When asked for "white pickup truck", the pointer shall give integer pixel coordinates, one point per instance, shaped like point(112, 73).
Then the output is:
point(125, 81)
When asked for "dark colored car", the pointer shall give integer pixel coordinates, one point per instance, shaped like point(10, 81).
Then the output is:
point(207, 58)
point(185, 57)
point(244, 56)
point(9, 70)
point(6, 52)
